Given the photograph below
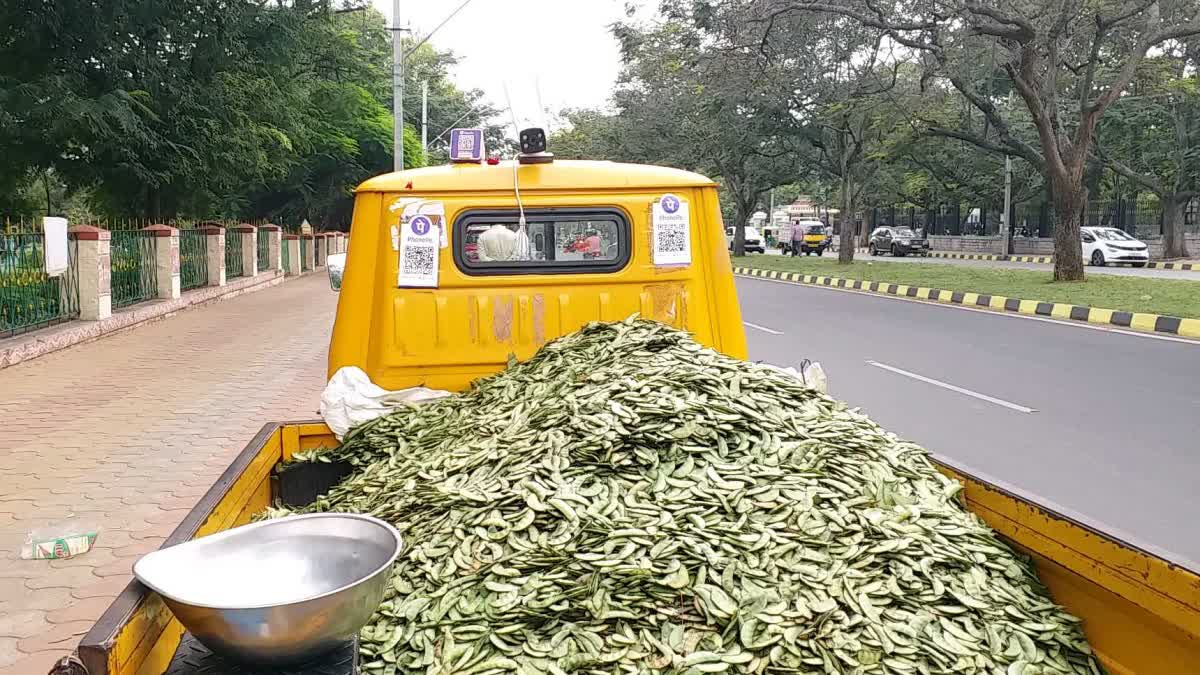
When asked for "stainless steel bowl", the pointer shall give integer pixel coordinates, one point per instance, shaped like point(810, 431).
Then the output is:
point(280, 591)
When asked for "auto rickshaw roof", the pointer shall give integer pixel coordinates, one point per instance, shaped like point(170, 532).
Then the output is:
point(559, 175)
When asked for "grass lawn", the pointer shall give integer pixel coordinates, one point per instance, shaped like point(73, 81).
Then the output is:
point(1132, 294)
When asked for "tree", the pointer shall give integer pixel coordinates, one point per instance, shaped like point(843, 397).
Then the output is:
point(208, 108)
point(1068, 62)
point(1152, 138)
point(687, 102)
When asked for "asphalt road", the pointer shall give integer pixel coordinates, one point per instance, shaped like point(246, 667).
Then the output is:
point(1100, 426)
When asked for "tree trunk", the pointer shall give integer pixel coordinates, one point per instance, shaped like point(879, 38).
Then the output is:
point(1174, 240)
point(846, 240)
point(1069, 203)
point(742, 214)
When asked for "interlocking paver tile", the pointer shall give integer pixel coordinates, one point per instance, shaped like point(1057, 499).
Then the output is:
point(126, 433)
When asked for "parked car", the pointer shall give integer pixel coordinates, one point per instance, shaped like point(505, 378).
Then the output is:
point(753, 243)
point(1103, 245)
point(899, 241)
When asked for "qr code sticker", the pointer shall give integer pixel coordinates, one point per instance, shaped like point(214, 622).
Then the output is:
point(672, 239)
point(419, 261)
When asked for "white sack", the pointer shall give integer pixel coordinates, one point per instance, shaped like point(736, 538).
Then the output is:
point(810, 373)
point(351, 398)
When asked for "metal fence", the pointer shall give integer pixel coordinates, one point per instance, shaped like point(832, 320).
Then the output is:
point(193, 259)
point(305, 244)
point(29, 298)
point(134, 267)
point(284, 247)
point(1030, 219)
point(233, 254)
point(263, 239)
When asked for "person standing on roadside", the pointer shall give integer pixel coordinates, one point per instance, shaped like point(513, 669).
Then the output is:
point(797, 239)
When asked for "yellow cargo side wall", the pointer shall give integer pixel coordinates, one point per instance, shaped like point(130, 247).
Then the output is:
point(1141, 614)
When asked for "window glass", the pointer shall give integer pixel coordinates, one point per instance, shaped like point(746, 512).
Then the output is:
point(1088, 238)
point(566, 240)
point(1113, 234)
point(905, 232)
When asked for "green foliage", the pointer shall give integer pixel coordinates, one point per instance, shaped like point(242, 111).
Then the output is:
point(207, 108)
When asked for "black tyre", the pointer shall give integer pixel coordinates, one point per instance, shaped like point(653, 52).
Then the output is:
point(874, 251)
point(1098, 258)
point(1139, 264)
point(820, 252)
point(896, 252)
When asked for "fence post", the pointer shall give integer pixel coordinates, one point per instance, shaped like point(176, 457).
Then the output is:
point(166, 263)
point(273, 233)
point(309, 251)
point(215, 252)
point(249, 235)
point(320, 249)
point(95, 271)
point(291, 252)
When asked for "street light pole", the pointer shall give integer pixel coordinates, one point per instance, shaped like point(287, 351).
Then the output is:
point(397, 89)
point(1006, 228)
point(424, 114)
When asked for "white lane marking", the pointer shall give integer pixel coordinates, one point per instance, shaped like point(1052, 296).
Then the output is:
point(951, 387)
point(764, 329)
point(989, 312)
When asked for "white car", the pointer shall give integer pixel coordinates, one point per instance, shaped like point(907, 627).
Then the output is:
point(753, 242)
point(1103, 245)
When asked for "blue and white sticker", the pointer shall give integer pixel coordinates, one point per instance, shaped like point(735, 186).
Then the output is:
point(671, 228)
point(419, 251)
point(420, 225)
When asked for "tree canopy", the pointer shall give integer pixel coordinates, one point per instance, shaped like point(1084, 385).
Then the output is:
point(917, 101)
point(209, 108)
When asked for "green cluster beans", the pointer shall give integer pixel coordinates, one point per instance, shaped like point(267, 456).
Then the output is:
point(628, 501)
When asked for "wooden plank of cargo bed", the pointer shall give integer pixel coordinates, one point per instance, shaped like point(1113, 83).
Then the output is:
point(138, 615)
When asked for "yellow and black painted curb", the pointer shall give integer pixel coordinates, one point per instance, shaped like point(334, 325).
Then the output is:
point(1043, 259)
point(1152, 323)
point(1049, 260)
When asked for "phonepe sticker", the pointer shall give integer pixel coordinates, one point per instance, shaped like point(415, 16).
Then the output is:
point(672, 232)
point(418, 253)
point(434, 210)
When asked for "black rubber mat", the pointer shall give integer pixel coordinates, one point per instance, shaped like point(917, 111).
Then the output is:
point(193, 658)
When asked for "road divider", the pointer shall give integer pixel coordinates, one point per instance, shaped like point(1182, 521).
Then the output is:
point(1140, 321)
point(1173, 265)
point(1049, 260)
point(1041, 259)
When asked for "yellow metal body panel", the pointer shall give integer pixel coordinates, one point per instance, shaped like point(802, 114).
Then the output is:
point(1141, 614)
point(467, 327)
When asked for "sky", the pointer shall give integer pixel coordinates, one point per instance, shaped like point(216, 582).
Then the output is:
point(561, 47)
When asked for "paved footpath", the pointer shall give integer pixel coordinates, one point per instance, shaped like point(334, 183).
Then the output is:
point(126, 433)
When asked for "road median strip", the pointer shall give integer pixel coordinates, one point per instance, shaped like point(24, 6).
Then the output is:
point(1141, 321)
point(1041, 259)
point(1049, 260)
